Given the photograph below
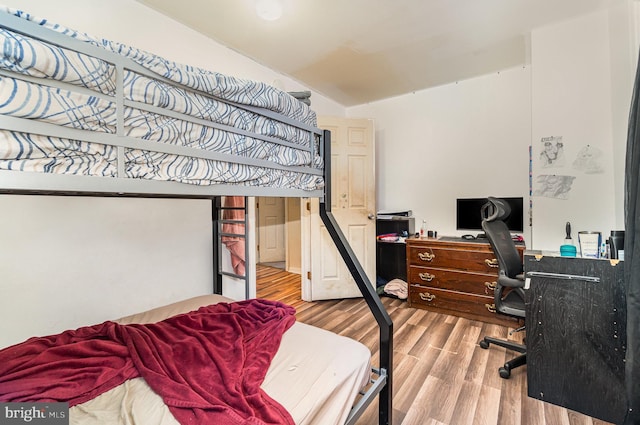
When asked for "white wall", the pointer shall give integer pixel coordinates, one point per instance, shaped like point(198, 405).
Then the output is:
point(53, 284)
point(68, 261)
point(467, 139)
point(471, 138)
point(573, 98)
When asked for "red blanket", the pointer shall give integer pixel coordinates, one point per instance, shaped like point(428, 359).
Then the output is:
point(207, 365)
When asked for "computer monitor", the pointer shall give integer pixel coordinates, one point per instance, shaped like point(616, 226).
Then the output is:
point(469, 217)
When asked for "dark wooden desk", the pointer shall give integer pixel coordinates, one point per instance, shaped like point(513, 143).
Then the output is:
point(576, 334)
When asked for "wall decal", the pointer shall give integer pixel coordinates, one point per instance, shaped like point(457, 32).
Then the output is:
point(589, 160)
point(552, 186)
point(552, 154)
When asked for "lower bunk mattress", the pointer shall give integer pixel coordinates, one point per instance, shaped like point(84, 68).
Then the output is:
point(315, 375)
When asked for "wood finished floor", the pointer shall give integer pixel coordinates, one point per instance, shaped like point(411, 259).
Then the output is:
point(441, 375)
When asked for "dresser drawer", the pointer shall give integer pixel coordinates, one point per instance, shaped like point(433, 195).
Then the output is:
point(474, 307)
point(453, 280)
point(483, 261)
point(458, 302)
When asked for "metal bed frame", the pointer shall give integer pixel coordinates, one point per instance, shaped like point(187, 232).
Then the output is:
point(16, 182)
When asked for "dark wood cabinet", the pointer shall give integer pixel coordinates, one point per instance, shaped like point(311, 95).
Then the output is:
point(576, 334)
point(391, 256)
point(454, 276)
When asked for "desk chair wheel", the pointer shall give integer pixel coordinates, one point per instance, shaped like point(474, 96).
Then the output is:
point(504, 373)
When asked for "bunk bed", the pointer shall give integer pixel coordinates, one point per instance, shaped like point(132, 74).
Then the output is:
point(86, 116)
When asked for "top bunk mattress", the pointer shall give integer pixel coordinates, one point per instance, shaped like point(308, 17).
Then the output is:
point(74, 104)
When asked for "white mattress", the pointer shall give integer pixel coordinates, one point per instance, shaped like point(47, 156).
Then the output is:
point(315, 375)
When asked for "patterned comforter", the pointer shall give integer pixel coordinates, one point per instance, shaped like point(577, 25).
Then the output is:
point(183, 105)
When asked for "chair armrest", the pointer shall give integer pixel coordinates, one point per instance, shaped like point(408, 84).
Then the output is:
point(509, 282)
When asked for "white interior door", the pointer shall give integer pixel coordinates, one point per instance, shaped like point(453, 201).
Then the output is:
point(353, 205)
point(271, 246)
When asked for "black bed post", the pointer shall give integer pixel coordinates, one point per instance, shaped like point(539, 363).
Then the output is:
point(364, 284)
point(216, 204)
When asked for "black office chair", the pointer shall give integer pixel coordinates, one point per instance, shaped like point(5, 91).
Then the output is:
point(509, 292)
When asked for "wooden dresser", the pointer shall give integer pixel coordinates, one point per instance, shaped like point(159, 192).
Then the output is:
point(454, 276)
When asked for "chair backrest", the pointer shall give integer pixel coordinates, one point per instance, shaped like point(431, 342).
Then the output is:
point(494, 212)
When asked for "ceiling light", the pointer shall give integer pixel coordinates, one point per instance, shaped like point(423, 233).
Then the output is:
point(269, 10)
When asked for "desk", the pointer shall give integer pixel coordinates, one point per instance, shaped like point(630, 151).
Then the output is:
point(576, 334)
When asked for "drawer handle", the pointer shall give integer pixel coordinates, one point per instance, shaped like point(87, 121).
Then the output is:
point(427, 296)
point(491, 285)
point(425, 256)
point(491, 307)
point(492, 263)
point(426, 276)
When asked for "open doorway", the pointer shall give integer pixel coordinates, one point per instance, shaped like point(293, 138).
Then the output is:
point(279, 233)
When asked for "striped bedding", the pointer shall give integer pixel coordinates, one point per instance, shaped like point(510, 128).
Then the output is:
point(88, 102)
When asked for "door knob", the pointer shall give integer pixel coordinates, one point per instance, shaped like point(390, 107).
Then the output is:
point(371, 216)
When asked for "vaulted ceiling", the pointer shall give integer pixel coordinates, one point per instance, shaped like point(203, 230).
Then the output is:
point(359, 51)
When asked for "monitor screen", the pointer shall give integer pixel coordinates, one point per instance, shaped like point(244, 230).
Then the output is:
point(468, 216)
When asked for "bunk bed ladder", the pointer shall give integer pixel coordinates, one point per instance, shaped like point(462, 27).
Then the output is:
point(368, 292)
point(235, 216)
